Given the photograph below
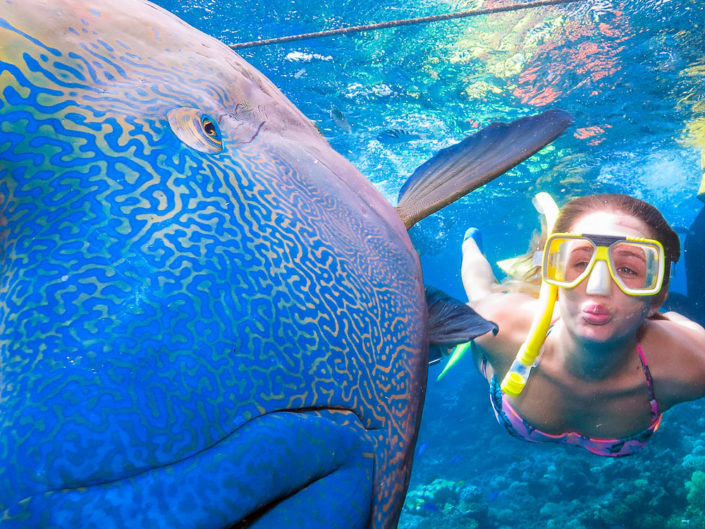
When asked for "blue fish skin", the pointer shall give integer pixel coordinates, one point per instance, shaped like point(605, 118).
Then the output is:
point(203, 308)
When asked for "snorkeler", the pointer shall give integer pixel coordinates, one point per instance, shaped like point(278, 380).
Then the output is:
point(610, 364)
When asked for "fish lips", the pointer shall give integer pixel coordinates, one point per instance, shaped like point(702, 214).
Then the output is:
point(286, 469)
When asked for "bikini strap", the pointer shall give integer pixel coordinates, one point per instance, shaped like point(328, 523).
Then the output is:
point(649, 381)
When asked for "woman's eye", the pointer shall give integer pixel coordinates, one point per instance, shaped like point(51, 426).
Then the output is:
point(579, 265)
point(624, 271)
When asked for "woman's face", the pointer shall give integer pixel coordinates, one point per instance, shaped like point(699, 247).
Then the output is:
point(596, 310)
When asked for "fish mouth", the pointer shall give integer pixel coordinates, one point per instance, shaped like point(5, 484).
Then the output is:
point(304, 468)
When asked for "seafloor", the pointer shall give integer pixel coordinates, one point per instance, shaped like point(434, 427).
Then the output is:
point(469, 473)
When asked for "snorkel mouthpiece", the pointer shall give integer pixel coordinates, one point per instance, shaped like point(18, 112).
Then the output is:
point(527, 357)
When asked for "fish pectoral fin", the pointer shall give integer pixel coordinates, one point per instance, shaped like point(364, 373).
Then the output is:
point(454, 172)
point(452, 322)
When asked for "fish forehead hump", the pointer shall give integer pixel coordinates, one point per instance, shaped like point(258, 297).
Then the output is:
point(156, 298)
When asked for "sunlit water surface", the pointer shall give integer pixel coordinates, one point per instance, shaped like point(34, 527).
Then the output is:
point(631, 73)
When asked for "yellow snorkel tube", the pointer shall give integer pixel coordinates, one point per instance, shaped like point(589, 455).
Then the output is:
point(527, 357)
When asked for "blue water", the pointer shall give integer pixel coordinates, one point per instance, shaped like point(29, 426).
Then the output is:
point(632, 74)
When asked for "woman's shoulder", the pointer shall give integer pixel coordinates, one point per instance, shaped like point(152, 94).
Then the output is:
point(675, 349)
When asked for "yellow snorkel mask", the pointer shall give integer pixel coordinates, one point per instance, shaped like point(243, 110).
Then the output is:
point(635, 264)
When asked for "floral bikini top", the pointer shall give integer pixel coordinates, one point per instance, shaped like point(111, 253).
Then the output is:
point(520, 428)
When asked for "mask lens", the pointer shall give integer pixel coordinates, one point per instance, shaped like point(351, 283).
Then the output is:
point(636, 266)
point(568, 259)
point(578, 254)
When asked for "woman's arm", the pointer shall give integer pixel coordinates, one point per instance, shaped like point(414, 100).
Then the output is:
point(679, 345)
point(689, 324)
point(512, 312)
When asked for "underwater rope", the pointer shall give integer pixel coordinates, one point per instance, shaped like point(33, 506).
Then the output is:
point(402, 22)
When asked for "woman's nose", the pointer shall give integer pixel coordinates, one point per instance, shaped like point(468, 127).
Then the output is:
point(599, 282)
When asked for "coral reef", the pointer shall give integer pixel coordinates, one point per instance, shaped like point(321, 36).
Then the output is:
point(476, 476)
point(452, 503)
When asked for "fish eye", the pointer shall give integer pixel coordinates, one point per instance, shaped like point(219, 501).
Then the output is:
point(209, 126)
point(196, 129)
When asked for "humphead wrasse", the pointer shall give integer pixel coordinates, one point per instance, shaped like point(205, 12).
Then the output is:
point(208, 318)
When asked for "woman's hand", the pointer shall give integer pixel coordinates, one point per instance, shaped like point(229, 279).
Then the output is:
point(476, 272)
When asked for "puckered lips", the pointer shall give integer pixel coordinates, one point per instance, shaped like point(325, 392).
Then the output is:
point(596, 314)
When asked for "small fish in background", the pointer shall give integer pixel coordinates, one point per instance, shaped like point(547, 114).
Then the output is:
point(493, 496)
point(391, 136)
point(430, 507)
point(339, 119)
point(298, 74)
point(687, 429)
point(421, 448)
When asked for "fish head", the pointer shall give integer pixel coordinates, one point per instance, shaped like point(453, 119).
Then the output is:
point(208, 317)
